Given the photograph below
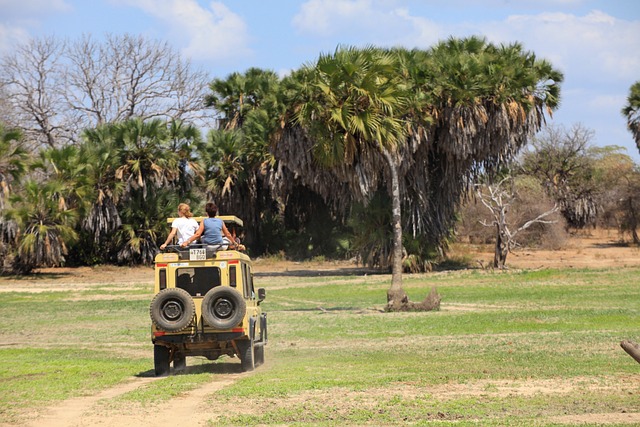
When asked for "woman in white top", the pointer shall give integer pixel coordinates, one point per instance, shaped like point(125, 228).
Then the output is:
point(185, 226)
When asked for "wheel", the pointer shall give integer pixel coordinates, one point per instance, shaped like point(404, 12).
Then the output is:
point(179, 362)
point(161, 360)
point(223, 307)
point(172, 309)
point(247, 356)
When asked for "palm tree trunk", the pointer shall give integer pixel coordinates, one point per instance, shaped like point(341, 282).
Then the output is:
point(396, 295)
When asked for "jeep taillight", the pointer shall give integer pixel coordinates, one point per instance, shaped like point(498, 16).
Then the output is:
point(162, 278)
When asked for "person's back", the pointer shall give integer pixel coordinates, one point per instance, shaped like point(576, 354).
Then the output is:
point(212, 234)
point(183, 227)
point(186, 228)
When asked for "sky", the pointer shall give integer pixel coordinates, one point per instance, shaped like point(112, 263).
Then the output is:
point(595, 43)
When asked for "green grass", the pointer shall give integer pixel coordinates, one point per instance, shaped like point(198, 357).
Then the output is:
point(335, 358)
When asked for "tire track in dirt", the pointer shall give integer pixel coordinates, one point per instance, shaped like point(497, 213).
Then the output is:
point(189, 409)
point(66, 413)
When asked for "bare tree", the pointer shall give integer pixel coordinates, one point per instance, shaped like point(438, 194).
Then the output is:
point(60, 88)
point(499, 198)
point(131, 76)
point(31, 78)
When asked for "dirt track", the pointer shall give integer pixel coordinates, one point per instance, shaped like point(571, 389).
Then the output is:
point(191, 409)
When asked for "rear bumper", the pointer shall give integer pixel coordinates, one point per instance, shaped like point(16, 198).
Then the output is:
point(211, 345)
point(198, 339)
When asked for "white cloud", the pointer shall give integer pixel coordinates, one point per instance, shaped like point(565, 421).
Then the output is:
point(10, 36)
point(206, 33)
point(595, 44)
point(324, 17)
point(12, 9)
point(599, 56)
point(378, 22)
point(18, 17)
point(607, 102)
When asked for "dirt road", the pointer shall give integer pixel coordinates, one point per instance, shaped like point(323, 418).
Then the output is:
point(190, 409)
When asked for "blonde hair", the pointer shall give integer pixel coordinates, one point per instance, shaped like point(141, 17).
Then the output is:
point(185, 210)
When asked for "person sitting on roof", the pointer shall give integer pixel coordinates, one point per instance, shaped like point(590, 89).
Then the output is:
point(184, 226)
point(211, 230)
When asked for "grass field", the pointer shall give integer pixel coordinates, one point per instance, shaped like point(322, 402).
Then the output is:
point(513, 348)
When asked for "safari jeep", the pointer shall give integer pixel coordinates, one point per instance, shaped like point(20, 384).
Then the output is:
point(205, 305)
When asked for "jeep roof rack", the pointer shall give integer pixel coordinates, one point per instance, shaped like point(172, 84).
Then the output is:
point(228, 219)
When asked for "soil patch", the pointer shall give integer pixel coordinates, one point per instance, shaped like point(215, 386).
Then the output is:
point(592, 249)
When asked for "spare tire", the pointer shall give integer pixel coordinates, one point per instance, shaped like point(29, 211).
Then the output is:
point(223, 307)
point(172, 309)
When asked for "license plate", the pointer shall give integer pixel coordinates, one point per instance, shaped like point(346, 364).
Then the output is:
point(197, 254)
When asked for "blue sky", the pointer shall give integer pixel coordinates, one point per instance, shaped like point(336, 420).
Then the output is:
point(596, 44)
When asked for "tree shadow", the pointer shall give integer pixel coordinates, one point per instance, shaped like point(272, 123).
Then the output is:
point(322, 309)
point(322, 273)
point(613, 245)
point(35, 275)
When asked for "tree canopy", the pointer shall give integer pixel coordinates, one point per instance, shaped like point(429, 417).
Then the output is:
point(422, 124)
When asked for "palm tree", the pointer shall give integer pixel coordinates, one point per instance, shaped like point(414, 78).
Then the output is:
point(99, 152)
point(143, 225)
point(224, 153)
point(239, 94)
point(47, 226)
point(148, 169)
point(185, 140)
point(248, 110)
point(65, 165)
point(486, 101)
point(347, 109)
point(145, 160)
point(632, 112)
point(425, 124)
point(13, 165)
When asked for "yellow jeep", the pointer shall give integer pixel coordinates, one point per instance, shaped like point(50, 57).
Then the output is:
point(205, 305)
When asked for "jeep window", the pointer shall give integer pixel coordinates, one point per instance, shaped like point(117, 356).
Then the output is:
point(253, 292)
point(197, 281)
point(162, 278)
point(247, 280)
point(232, 276)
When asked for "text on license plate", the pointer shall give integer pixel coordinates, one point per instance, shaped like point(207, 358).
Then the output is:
point(197, 254)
